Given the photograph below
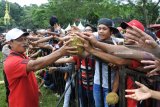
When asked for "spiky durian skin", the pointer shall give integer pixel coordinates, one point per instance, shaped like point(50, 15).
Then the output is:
point(112, 98)
point(75, 41)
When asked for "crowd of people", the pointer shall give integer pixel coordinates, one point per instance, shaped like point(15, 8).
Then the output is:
point(92, 73)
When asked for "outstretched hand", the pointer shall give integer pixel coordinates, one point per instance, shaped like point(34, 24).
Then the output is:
point(57, 27)
point(144, 40)
point(153, 65)
point(66, 49)
point(86, 44)
point(141, 93)
point(89, 37)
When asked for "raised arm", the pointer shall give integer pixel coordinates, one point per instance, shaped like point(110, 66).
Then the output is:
point(67, 68)
point(64, 60)
point(103, 55)
point(45, 46)
point(152, 65)
point(110, 58)
point(117, 50)
point(42, 40)
point(36, 54)
point(42, 62)
point(145, 41)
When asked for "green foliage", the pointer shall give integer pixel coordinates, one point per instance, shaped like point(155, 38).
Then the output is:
point(92, 17)
point(2, 96)
point(70, 11)
point(48, 99)
point(2, 8)
point(2, 87)
point(15, 12)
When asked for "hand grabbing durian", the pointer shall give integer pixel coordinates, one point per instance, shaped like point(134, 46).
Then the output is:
point(75, 41)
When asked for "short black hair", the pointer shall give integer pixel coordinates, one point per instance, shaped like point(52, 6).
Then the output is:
point(53, 20)
point(94, 29)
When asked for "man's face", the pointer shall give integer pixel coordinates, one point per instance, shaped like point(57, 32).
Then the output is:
point(88, 29)
point(20, 44)
point(104, 32)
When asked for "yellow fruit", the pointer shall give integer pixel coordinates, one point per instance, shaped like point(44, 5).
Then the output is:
point(112, 98)
point(75, 42)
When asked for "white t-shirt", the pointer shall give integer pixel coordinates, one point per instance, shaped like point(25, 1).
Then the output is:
point(104, 73)
point(5, 51)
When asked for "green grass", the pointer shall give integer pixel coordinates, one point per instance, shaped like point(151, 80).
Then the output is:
point(2, 87)
point(48, 99)
point(1, 67)
point(2, 96)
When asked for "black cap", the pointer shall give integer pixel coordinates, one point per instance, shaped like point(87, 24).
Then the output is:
point(109, 23)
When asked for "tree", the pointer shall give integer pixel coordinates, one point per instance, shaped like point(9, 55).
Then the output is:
point(69, 11)
point(148, 8)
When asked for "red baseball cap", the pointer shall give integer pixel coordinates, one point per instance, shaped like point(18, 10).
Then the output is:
point(136, 23)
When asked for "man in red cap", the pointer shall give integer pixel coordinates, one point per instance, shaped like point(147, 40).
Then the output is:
point(135, 64)
point(136, 23)
point(129, 25)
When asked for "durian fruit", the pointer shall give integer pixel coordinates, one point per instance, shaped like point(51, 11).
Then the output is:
point(112, 98)
point(75, 41)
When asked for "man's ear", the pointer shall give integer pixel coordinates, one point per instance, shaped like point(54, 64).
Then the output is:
point(10, 44)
